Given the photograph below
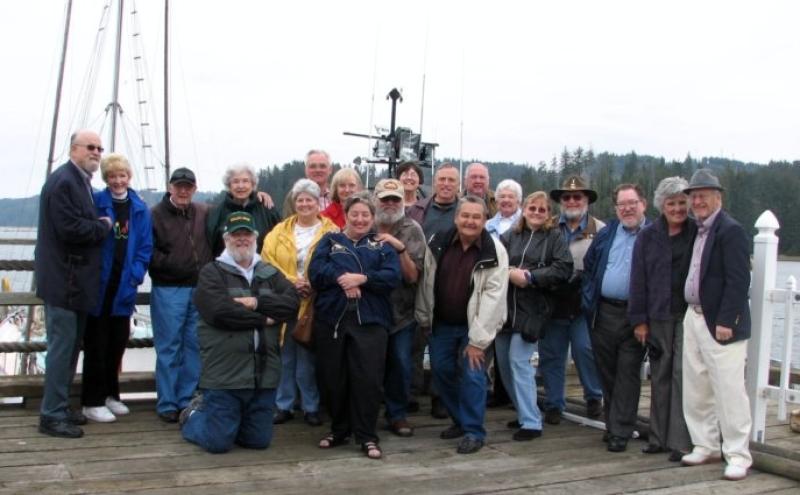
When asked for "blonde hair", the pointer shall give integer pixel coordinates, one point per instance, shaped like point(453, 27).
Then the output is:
point(522, 224)
point(114, 162)
point(340, 176)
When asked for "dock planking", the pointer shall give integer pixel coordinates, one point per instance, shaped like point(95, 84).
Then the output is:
point(139, 453)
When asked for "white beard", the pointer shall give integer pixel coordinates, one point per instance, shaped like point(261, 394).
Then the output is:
point(241, 254)
point(382, 217)
point(574, 213)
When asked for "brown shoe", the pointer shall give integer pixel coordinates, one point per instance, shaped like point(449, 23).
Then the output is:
point(401, 428)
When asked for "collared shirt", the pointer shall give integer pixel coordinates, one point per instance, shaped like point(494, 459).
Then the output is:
point(325, 199)
point(453, 280)
point(617, 277)
point(87, 180)
point(569, 234)
point(410, 234)
point(499, 224)
point(691, 290)
point(439, 218)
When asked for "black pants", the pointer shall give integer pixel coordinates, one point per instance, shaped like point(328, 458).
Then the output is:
point(103, 346)
point(350, 371)
point(618, 356)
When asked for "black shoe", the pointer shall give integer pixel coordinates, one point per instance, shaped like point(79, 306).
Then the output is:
point(513, 425)
point(282, 416)
point(594, 408)
point(412, 407)
point(59, 428)
point(469, 445)
point(524, 434)
point(653, 449)
point(454, 431)
point(552, 416)
point(311, 419)
point(195, 404)
point(617, 444)
point(76, 417)
point(676, 456)
point(169, 416)
point(438, 410)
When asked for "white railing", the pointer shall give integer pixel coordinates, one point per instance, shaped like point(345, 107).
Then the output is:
point(763, 297)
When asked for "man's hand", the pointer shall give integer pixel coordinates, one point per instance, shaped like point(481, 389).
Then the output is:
point(248, 302)
point(351, 280)
point(302, 287)
point(265, 199)
point(475, 356)
point(724, 333)
point(517, 277)
point(640, 332)
point(390, 240)
point(107, 220)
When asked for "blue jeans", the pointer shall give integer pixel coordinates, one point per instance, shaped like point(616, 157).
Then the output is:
point(397, 382)
point(297, 371)
point(64, 336)
point(519, 377)
point(461, 389)
point(240, 416)
point(175, 340)
point(560, 335)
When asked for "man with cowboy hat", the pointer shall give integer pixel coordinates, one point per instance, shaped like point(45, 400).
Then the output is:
point(716, 329)
point(568, 328)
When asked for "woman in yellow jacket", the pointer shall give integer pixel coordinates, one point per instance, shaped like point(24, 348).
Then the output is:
point(289, 247)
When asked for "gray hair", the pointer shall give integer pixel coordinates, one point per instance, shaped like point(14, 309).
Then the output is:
point(362, 197)
point(470, 198)
point(671, 186)
point(511, 185)
point(317, 152)
point(239, 168)
point(307, 186)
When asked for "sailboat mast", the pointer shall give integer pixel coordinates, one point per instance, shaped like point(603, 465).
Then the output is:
point(115, 96)
point(54, 127)
point(166, 94)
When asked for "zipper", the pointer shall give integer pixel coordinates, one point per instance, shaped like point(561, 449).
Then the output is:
point(514, 296)
point(358, 311)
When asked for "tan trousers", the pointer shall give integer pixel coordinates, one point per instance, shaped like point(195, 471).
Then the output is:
point(714, 397)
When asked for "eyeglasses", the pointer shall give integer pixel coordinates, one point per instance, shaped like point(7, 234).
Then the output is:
point(390, 199)
point(572, 197)
point(92, 147)
point(627, 204)
point(537, 209)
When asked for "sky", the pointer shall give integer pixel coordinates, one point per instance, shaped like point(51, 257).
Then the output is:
point(263, 82)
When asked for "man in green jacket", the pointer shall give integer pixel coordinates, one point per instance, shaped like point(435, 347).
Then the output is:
point(242, 303)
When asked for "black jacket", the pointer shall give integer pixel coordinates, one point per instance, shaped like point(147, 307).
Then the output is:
point(69, 241)
point(525, 251)
point(265, 219)
point(226, 328)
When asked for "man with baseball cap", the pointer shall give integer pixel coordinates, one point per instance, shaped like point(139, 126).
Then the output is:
point(180, 250)
point(568, 328)
point(406, 237)
point(243, 303)
point(716, 329)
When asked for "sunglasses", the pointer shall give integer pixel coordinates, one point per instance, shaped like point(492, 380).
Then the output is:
point(390, 199)
point(572, 197)
point(92, 147)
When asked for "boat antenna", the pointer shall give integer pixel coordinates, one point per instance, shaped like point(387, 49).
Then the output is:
point(372, 103)
point(461, 130)
point(424, 69)
point(166, 94)
point(59, 85)
point(114, 105)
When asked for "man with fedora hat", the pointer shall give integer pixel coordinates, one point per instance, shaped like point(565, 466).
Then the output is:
point(180, 250)
point(243, 303)
point(567, 328)
point(716, 329)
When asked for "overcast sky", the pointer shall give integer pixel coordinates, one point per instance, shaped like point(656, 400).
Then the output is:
point(263, 82)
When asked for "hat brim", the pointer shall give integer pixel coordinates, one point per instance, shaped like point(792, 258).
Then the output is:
point(183, 181)
point(695, 188)
point(386, 194)
point(240, 227)
point(555, 194)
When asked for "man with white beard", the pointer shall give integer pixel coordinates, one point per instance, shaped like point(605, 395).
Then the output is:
point(406, 237)
point(568, 328)
point(242, 303)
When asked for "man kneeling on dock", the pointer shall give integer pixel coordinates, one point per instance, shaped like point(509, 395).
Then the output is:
point(242, 302)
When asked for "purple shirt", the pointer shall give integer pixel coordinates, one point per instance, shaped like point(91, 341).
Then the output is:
point(691, 291)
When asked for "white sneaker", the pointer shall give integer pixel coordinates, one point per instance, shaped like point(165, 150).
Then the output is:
point(100, 414)
point(117, 407)
point(698, 458)
point(735, 473)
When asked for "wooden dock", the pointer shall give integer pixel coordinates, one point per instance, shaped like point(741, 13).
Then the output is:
point(139, 453)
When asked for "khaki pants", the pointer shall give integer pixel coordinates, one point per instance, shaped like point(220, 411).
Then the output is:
point(714, 397)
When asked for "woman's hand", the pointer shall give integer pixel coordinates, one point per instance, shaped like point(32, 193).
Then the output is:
point(351, 280)
point(517, 277)
point(354, 293)
point(302, 287)
point(640, 333)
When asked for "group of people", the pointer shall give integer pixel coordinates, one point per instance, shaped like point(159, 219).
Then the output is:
point(484, 279)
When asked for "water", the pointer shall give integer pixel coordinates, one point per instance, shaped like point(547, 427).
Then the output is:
point(20, 281)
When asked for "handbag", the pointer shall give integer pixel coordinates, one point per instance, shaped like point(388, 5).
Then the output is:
point(540, 309)
point(302, 333)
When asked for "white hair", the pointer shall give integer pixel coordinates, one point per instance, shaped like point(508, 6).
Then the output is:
point(307, 186)
point(239, 168)
point(667, 188)
point(511, 185)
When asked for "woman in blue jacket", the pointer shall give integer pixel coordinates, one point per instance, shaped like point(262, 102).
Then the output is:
point(353, 275)
point(126, 254)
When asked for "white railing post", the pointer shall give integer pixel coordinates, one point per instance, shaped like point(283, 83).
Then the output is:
point(786, 362)
point(765, 266)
